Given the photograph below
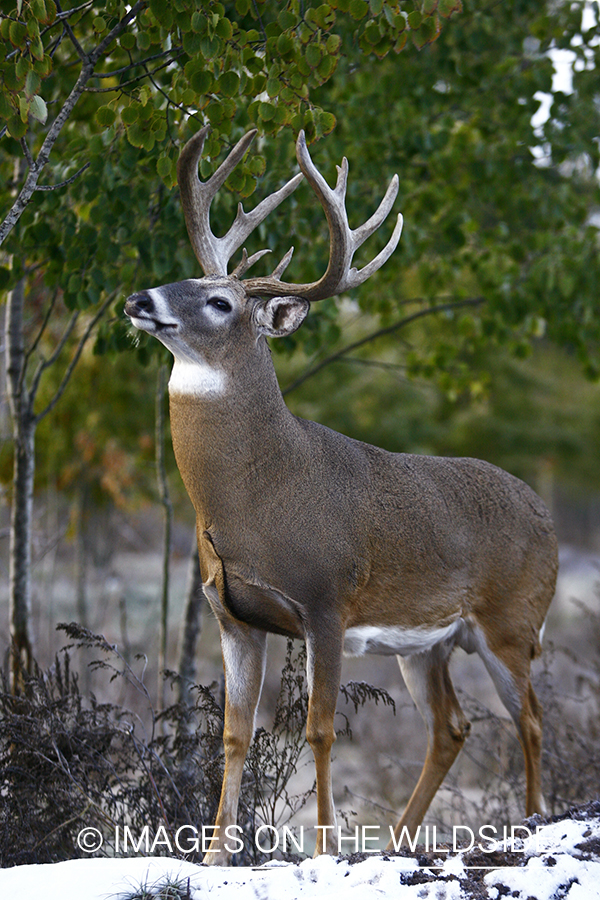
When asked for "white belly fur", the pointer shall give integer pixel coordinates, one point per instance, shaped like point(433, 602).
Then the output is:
point(389, 640)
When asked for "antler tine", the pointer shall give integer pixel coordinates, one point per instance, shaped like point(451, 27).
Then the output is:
point(214, 253)
point(245, 223)
point(283, 264)
point(343, 241)
point(360, 235)
point(247, 261)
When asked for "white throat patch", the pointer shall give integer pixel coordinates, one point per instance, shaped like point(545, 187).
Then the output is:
point(196, 378)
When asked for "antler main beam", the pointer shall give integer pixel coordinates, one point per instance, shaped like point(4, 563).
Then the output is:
point(343, 241)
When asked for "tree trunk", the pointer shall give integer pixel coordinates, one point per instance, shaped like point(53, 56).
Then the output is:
point(81, 557)
point(191, 629)
point(81, 571)
point(165, 500)
point(24, 427)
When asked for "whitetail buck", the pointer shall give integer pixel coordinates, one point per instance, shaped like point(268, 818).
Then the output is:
point(308, 533)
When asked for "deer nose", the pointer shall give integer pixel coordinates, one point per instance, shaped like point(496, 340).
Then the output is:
point(138, 303)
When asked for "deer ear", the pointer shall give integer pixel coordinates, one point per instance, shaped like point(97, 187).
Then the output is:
point(280, 316)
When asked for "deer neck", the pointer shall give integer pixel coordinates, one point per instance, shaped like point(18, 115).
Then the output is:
point(228, 430)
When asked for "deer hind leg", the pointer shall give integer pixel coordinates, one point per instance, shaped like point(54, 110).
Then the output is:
point(428, 681)
point(323, 665)
point(244, 655)
point(509, 668)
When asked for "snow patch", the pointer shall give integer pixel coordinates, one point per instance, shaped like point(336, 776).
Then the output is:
point(560, 860)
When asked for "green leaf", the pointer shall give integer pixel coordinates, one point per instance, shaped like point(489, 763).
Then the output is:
point(164, 166)
point(24, 108)
point(6, 107)
point(287, 19)
point(266, 111)
point(313, 55)
point(105, 116)
point(32, 83)
point(327, 122)
point(43, 66)
point(38, 109)
point(257, 166)
point(327, 67)
point(372, 32)
point(192, 42)
point(201, 82)
point(446, 8)
point(199, 22)
point(333, 43)
point(273, 87)
point(229, 83)
point(51, 12)
point(127, 41)
point(130, 114)
point(358, 9)
point(23, 66)
point(38, 9)
point(285, 44)
point(160, 8)
point(17, 33)
point(33, 29)
point(224, 29)
point(214, 114)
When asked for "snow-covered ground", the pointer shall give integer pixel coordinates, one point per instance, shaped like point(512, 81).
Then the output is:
point(560, 860)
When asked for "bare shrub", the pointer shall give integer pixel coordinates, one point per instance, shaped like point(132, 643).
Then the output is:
point(68, 762)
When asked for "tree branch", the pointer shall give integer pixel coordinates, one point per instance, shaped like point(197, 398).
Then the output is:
point(61, 184)
point(46, 363)
point(87, 70)
point(42, 328)
point(27, 153)
point(132, 81)
point(71, 35)
point(67, 376)
point(117, 30)
point(144, 62)
point(381, 332)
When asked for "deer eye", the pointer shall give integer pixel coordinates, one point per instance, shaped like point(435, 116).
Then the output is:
point(220, 304)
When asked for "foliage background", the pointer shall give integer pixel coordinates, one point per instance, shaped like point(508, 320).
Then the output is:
point(479, 336)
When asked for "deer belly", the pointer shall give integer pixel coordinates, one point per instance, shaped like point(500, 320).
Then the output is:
point(393, 640)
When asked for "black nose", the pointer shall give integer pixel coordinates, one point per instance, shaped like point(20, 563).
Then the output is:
point(138, 303)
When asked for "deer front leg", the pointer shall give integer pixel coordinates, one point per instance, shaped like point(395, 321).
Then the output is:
point(244, 655)
point(323, 666)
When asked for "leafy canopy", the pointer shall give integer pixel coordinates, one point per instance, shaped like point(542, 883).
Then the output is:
point(97, 97)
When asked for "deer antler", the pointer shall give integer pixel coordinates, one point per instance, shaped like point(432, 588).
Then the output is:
point(343, 241)
point(214, 253)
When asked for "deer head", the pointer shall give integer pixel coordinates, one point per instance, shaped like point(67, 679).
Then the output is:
point(222, 310)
